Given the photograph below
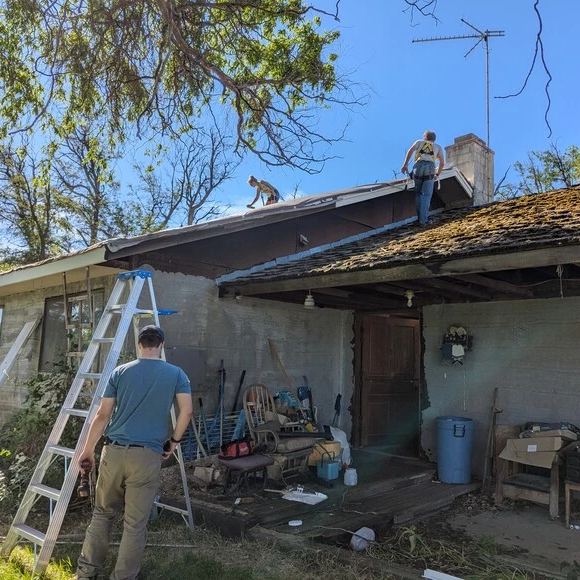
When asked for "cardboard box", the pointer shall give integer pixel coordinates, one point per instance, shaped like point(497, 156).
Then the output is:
point(564, 433)
point(536, 444)
point(538, 459)
point(537, 451)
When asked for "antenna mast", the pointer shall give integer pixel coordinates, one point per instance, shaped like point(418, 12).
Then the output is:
point(482, 36)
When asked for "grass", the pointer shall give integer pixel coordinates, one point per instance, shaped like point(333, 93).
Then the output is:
point(21, 562)
point(171, 553)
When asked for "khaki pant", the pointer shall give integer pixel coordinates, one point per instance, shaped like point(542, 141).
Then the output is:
point(129, 476)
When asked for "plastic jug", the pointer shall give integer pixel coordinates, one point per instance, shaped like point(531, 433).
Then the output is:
point(362, 539)
point(350, 476)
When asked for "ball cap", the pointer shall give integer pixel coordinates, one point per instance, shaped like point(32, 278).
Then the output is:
point(151, 330)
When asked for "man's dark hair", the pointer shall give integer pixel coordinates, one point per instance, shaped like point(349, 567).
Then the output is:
point(150, 336)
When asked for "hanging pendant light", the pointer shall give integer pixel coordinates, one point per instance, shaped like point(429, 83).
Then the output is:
point(309, 303)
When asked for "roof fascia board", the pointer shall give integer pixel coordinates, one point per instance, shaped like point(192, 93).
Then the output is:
point(56, 266)
point(460, 266)
point(403, 185)
point(120, 248)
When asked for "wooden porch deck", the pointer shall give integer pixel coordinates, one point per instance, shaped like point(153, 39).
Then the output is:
point(390, 490)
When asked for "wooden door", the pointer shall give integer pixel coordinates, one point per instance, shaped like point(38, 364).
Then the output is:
point(388, 382)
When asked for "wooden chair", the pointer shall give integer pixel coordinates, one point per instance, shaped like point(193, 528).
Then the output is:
point(289, 451)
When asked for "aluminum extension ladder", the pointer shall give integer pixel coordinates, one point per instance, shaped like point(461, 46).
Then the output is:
point(130, 284)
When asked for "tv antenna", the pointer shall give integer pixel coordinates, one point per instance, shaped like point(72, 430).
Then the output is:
point(482, 36)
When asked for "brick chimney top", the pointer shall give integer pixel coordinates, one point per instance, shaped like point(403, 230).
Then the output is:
point(474, 159)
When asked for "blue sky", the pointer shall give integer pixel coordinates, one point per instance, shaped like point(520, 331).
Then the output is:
point(413, 87)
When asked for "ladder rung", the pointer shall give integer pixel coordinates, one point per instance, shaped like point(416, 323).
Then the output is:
point(80, 325)
point(116, 307)
point(45, 490)
point(90, 375)
point(61, 450)
point(76, 412)
point(170, 508)
point(103, 340)
point(29, 533)
point(141, 312)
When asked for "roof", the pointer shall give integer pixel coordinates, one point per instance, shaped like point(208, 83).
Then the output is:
point(264, 215)
point(120, 247)
point(524, 223)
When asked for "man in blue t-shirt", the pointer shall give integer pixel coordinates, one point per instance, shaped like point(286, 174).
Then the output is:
point(133, 416)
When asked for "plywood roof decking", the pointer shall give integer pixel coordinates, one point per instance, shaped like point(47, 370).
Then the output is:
point(530, 222)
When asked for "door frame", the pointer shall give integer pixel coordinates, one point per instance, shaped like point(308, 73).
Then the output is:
point(358, 377)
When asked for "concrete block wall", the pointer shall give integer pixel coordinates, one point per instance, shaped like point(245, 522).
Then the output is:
point(19, 309)
point(529, 349)
point(315, 343)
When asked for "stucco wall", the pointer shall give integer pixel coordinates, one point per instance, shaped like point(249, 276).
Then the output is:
point(529, 349)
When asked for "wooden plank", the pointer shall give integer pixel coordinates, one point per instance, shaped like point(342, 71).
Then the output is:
point(499, 285)
point(471, 265)
point(20, 341)
point(503, 468)
point(515, 492)
point(293, 543)
point(380, 487)
point(457, 288)
point(381, 509)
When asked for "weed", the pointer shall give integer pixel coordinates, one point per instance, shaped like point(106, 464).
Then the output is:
point(472, 561)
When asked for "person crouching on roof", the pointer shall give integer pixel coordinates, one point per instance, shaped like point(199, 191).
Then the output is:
point(263, 187)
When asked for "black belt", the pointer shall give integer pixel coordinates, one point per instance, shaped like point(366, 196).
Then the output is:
point(108, 441)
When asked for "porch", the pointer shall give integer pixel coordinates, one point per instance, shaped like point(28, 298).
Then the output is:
point(390, 490)
point(393, 493)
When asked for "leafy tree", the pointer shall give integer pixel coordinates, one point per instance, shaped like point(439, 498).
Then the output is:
point(83, 171)
point(158, 65)
point(544, 171)
point(33, 213)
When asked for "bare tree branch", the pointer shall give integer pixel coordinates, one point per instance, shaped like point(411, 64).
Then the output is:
point(424, 7)
point(539, 50)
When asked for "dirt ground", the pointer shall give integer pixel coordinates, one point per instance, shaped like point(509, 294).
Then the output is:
point(527, 529)
point(523, 532)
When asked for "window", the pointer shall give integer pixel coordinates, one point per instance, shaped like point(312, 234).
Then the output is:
point(54, 334)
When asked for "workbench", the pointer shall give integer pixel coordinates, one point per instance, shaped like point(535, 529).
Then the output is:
point(541, 489)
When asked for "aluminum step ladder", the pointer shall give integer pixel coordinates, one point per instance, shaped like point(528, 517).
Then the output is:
point(127, 314)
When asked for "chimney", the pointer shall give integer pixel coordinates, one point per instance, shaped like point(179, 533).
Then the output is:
point(474, 159)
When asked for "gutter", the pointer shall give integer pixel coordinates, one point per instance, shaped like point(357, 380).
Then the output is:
point(53, 266)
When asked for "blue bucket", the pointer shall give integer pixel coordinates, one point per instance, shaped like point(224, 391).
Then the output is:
point(454, 439)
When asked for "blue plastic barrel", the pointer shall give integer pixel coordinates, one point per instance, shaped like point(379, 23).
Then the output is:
point(454, 438)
